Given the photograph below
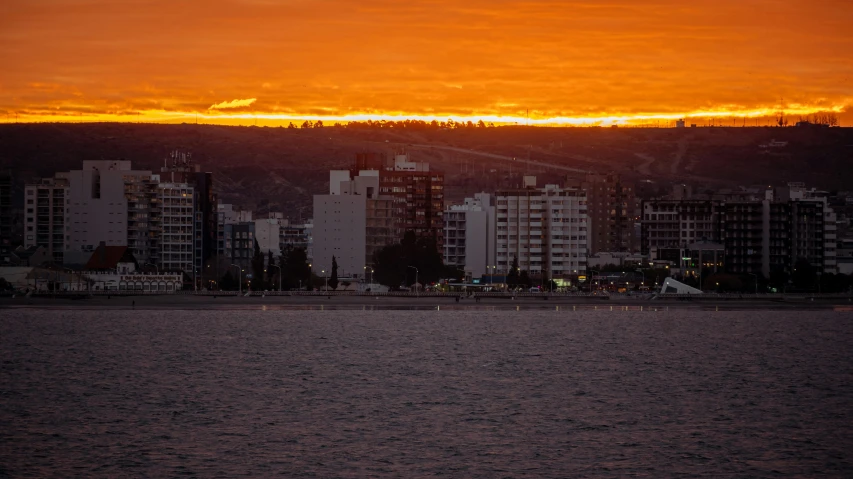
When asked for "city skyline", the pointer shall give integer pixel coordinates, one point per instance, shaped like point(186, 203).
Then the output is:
point(578, 63)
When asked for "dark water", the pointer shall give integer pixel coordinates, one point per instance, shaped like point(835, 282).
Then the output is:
point(418, 394)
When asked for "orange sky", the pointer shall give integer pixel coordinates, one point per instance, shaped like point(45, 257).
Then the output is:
point(606, 60)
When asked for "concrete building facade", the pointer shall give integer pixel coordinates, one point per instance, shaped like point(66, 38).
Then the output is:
point(97, 206)
point(340, 230)
point(45, 210)
point(177, 223)
point(352, 222)
point(612, 212)
point(6, 186)
point(416, 191)
point(469, 235)
point(758, 235)
point(544, 228)
point(239, 245)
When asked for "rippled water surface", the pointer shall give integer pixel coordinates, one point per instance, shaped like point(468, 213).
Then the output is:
point(414, 394)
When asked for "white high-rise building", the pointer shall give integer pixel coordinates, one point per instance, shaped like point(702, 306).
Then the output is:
point(109, 202)
point(176, 219)
point(469, 235)
point(97, 206)
point(351, 223)
point(545, 228)
point(340, 225)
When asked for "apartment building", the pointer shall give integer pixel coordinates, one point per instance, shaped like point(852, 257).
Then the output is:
point(109, 202)
point(759, 233)
point(98, 206)
point(678, 223)
point(239, 244)
point(6, 185)
point(179, 167)
point(546, 229)
point(177, 227)
point(416, 191)
point(297, 236)
point(352, 222)
point(45, 211)
point(613, 210)
point(469, 235)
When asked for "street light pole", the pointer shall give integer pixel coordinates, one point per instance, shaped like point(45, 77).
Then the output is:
point(592, 279)
point(416, 279)
point(239, 277)
point(369, 269)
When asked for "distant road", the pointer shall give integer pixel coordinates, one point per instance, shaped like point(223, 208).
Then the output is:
point(543, 164)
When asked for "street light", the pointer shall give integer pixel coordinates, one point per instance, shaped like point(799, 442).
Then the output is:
point(644, 276)
point(239, 277)
point(592, 278)
point(416, 279)
point(279, 276)
point(370, 278)
point(326, 278)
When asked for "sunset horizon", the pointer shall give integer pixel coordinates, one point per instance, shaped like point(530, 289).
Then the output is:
point(543, 63)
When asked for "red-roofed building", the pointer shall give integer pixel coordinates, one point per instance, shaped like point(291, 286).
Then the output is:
point(113, 258)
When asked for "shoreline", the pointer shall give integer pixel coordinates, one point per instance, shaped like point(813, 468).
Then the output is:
point(392, 303)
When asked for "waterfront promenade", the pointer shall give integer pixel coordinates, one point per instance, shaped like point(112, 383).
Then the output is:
point(338, 301)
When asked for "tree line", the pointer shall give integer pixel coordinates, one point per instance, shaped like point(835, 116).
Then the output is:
point(295, 272)
point(414, 125)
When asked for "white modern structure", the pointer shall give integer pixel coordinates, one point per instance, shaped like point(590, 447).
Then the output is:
point(351, 223)
point(469, 235)
point(97, 206)
point(229, 216)
point(545, 228)
point(671, 286)
point(276, 233)
point(340, 230)
point(268, 233)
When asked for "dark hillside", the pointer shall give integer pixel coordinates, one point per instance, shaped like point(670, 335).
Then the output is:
point(282, 167)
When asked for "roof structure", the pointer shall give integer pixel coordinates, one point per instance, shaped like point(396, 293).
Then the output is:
point(108, 257)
